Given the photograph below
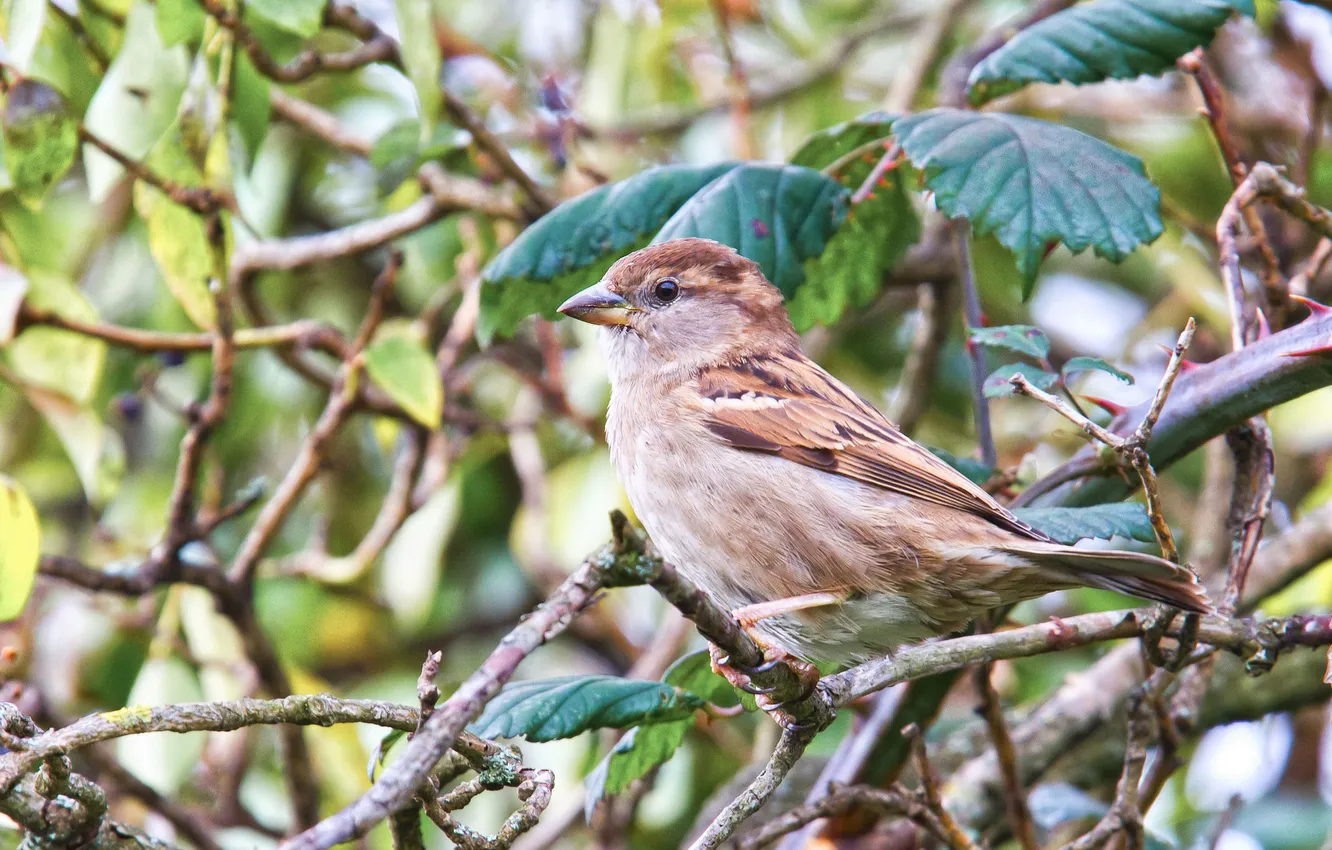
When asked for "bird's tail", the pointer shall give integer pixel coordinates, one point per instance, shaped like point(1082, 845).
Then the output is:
point(1134, 573)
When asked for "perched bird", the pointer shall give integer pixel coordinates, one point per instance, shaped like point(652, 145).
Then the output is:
point(789, 499)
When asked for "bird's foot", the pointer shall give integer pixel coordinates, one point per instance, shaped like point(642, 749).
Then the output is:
point(741, 678)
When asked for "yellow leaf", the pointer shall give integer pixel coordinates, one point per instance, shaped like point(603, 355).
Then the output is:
point(20, 542)
point(403, 368)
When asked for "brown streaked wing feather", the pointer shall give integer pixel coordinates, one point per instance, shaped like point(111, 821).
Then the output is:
point(791, 408)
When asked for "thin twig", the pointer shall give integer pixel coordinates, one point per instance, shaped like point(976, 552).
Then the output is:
point(789, 749)
point(935, 310)
point(952, 833)
point(1015, 797)
point(971, 310)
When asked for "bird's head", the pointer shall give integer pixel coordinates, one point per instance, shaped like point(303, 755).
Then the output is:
point(685, 304)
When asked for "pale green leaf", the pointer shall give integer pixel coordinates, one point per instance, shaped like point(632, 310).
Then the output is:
point(1094, 364)
point(998, 386)
point(137, 99)
point(421, 55)
point(20, 543)
point(13, 287)
point(1023, 339)
point(403, 368)
point(163, 760)
point(51, 358)
point(177, 236)
point(298, 17)
point(180, 21)
point(96, 451)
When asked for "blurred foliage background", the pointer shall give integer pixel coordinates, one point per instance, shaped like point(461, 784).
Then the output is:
point(515, 484)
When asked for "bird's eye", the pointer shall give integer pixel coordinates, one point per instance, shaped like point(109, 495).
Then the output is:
point(667, 290)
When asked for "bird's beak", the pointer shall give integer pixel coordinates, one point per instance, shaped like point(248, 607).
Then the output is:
point(597, 305)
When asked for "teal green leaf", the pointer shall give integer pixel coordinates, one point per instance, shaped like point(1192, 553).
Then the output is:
point(975, 470)
point(547, 709)
point(19, 554)
point(1069, 525)
point(1033, 184)
point(779, 216)
point(632, 757)
point(421, 55)
point(1102, 40)
point(177, 236)
point(571, 247)
point(1094, 364)
point(180, 22)
point(876, 233)
point(298, 17)
point(136, 101)
point(998, 386)
point(826, 147)
point(41, 138)
point(1023, 339)
point(694, 673)
point(403, 368)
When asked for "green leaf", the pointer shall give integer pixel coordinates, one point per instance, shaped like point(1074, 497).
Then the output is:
point(571, 247)
point(1102, 40)
point(40, 45)
point(1094, 364)
point(136, 101)
point(632, 757)
point(298, 17)
point(181, 22)
point(1033, 184)
point(41, 138)
point(826, 147)
point(779, 216)
point(403, 368)
point(13, 288)
point(693, 673)
point(396, 153)
point(177, 236)
point(1055, 803)
point(1069, 525)
point(19, 553)
point(874, 236)
point(96, 451)
point(1023, 339)
point(52, 358)
point(420, 54)
point(251, 108)
point(381, 752)
point(998, 386)
point(547, 709)
point(977, 471)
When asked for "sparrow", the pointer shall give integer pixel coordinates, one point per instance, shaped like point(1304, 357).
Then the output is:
point(790, 500)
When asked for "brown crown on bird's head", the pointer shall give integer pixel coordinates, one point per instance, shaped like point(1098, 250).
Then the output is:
point(686, 295)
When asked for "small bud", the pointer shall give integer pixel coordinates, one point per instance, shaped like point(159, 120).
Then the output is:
point(129, 406)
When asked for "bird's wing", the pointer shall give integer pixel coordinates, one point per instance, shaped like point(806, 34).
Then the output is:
point(793, 409)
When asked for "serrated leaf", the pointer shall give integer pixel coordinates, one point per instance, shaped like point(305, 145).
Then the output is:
point(19, 552)
point(571, 247)
point(421, 54)
point(1102, 40)
point(1101, 522)
point(180, 22)
point(694, 673)
point(997, 384)
point(1033, 184)
point(177, 236)
point(548, 709)
point(876, 233)
point(779, 216)
point(136, 100)
point(404, 369)
point(826, 147)
point(41, 138)
point(1023, 339)
point(632, 757)
point(1094, 364)
point(298, 17)
point(977, 471)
